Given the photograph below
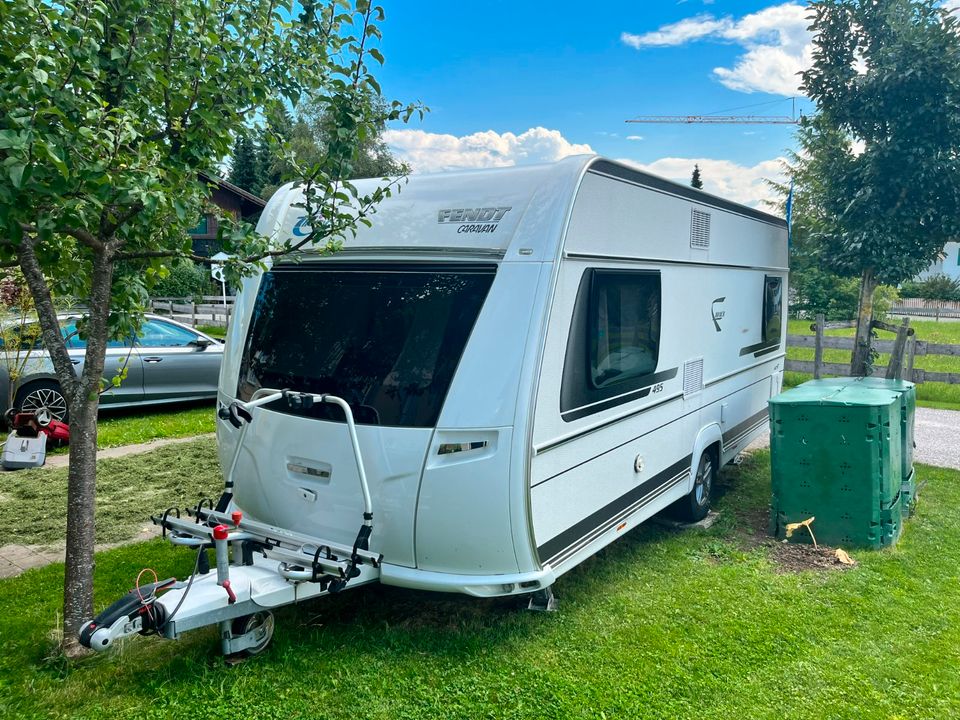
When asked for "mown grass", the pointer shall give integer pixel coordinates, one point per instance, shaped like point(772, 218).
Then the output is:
point(126, 428)
point(663, 624)
point(217, 331)
point(116, 428)
point(33, 502)
point(929, 394)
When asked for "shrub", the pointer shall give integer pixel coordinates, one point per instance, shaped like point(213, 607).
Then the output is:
point(186, 280)
point(935, 287)
point(816, 291)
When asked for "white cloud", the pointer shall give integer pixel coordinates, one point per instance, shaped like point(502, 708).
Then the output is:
point(776, 42)
point(433, 152)
point(678, 33)
point(740, 183)
point(634, 137)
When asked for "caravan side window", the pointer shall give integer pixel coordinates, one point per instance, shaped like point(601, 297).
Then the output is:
point(614, 341)
point(772, 309)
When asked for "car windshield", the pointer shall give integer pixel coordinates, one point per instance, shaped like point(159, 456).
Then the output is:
point(386, 338)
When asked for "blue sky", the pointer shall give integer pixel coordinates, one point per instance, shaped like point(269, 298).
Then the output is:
point(512, 82)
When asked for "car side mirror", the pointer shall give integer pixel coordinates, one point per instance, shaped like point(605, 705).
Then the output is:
point(201, 343)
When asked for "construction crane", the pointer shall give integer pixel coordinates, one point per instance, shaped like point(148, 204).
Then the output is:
point(716, 119)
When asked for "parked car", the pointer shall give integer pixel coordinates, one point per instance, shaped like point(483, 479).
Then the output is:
point(167, 362)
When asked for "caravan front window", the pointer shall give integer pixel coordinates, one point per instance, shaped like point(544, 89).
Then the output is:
point(385, 337)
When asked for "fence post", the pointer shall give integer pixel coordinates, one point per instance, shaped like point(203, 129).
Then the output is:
point(193, 313)
point(895, 367)
point(911, 351)
point(818, 348)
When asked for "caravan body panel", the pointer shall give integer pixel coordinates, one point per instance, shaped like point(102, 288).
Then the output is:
point(518, 475)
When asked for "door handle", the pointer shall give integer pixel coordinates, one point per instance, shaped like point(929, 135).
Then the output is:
point(152, 359)
point(75, 362)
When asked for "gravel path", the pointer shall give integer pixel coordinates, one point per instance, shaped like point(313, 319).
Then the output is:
point(937, 437)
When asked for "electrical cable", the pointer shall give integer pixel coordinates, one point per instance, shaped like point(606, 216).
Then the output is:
point(143, 602)
point(196, 564)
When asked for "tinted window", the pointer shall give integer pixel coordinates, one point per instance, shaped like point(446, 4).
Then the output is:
point(75, 342)
point(625, 327)
point(772, 309)
point(156, 333)
point(614, 342)
point(386, 338)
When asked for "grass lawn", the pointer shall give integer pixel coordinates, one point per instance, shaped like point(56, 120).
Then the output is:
point(33, 502)
point(931, 394)
point(130, 426)
point(663, 624)
point(217, 331)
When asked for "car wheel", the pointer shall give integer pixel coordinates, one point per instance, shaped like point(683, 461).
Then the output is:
point(42, 394)
point(696, 505)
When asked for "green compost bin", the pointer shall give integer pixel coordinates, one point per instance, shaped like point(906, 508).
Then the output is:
point(908, 405)
point(837, 455)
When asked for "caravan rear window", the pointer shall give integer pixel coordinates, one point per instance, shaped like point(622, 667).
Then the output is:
point(386, 338)
point(772, 309)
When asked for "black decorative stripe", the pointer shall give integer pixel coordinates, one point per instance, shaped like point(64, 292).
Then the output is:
point(636, 177)
point(645, 408)
point(648, 382)
point(760, 348)
point(751, 423)
point(608, 513)
point(585, 541)
point(394, 266)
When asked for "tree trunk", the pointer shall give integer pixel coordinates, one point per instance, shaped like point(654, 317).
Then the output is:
point(82, 475)
point(81, 506)
point(862, 357)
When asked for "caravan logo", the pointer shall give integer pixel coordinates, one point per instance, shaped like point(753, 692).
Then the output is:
point(301, 229)
point(716, 313)
point(473, 220)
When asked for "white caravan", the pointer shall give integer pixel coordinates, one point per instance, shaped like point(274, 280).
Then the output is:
point(506, 372)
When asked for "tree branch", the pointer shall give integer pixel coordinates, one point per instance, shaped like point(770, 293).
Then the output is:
point(47, 314)
point(147, 254)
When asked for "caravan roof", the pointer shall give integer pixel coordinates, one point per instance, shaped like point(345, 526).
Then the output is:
point(496, 211)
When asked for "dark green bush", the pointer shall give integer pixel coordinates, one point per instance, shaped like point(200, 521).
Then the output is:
point(816, 291)
point(935, 287)
point(186, 280)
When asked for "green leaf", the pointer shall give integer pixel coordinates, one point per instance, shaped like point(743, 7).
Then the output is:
point(16, 174)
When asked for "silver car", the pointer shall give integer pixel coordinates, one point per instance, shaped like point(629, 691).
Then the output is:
point(166, 362)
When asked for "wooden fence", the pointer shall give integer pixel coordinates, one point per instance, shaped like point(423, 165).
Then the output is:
point(902, 350)
point(209, 311)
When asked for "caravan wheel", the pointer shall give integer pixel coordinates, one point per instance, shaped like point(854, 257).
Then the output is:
point(260, 623)
point(696, 505)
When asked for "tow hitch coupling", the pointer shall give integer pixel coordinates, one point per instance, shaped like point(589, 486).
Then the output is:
point(135, 612)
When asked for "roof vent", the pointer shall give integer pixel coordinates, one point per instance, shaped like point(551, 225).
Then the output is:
point(699, 229)
point(692, 377)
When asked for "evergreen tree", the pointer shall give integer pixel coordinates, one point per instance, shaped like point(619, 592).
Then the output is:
point(246, 171)
point(314, 130)
point(695, 180)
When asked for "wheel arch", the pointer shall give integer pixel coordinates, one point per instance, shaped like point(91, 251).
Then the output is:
point(709, 438)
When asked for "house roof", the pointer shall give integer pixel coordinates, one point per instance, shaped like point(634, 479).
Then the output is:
point(251, 203)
